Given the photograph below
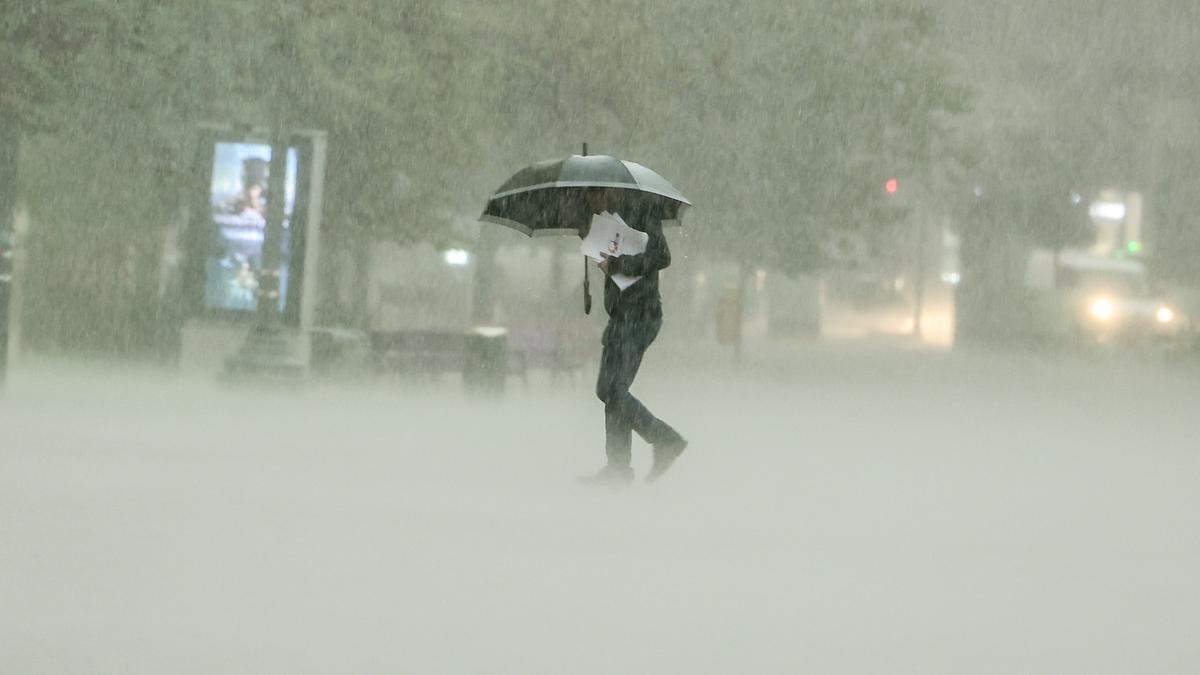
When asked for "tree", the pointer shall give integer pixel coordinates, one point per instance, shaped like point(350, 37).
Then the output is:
point(797, 114)
point(791, 116)
point(110, 93)
point(51, 100)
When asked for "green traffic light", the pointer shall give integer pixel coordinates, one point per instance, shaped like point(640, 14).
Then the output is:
point(1134, 247)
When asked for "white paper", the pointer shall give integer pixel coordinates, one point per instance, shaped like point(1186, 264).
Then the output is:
point(609, 234)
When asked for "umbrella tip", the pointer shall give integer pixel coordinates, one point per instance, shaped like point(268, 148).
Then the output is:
point(585, 149)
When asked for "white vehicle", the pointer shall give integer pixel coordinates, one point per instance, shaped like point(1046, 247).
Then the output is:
point(1095, 299)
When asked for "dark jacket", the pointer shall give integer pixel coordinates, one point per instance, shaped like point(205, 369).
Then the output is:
point(641, 301)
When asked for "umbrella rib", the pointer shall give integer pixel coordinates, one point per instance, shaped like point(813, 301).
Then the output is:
point(505, 222)
point(583, 183)
point(525, 229)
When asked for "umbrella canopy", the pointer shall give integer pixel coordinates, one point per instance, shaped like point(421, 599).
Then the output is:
point(547, 197)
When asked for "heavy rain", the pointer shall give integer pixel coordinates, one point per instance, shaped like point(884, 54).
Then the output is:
point(344, 337)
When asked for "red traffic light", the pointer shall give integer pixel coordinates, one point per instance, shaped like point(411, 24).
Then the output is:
point(891, 186)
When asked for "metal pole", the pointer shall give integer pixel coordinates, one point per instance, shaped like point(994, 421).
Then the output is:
point(271, 350)
point(6, 279)
point(483, 305)
point(919, 291)
point(9, 141)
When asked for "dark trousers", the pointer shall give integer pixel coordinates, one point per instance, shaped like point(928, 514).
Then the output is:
point(624, 344)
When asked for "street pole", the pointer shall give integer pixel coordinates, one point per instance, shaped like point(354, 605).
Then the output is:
point(269, 351)
point(6, 278)
point(919, 290)
point(268, 283)
point(483, 296)
point(9, 142)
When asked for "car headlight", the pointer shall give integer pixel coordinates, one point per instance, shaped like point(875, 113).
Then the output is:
point(1165, 314)
point(1102, 309)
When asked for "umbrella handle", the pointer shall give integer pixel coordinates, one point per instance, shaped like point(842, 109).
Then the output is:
point(587, 288)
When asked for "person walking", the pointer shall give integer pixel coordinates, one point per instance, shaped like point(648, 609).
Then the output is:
point(635, 318)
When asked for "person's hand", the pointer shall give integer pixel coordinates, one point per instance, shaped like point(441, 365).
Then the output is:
point(603, 264)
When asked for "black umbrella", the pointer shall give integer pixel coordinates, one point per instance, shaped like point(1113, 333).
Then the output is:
point(547, 198)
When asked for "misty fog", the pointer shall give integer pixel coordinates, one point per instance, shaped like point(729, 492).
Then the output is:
point(286, 386)
point(854, 512)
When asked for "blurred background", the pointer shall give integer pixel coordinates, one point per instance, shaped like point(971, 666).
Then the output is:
point(936, 171)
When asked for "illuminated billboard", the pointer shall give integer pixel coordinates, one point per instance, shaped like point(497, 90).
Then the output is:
point(223, 249)
point(239, 192)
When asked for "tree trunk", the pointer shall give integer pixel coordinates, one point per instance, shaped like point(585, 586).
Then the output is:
point(9, 146)
point(483, 288)
point(360, 312)
point(742, 290)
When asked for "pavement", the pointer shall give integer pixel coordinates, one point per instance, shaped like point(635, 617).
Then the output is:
point(849, 508)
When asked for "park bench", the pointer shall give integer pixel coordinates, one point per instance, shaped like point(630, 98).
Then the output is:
point(428, 354)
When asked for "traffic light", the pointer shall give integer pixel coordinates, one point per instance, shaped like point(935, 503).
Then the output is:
point(892, 186)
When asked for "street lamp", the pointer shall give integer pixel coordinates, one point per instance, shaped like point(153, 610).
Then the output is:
point(457, 257)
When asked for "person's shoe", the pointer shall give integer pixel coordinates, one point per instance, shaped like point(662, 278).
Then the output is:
point(665, 455)
point(612, 475)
